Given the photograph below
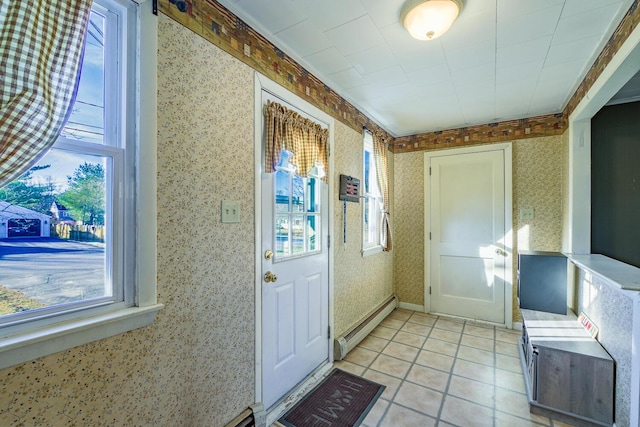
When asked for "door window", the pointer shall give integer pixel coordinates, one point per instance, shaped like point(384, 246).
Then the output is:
point(297, 215)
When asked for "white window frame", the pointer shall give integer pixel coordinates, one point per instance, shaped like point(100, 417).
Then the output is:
point(374, 197)
point(135, 186)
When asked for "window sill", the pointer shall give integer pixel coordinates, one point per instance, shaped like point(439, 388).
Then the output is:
point(371, 251)
point(22, 347)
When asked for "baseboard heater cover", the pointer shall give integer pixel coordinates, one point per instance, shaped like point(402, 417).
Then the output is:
point(253, 416)
point(352, 338)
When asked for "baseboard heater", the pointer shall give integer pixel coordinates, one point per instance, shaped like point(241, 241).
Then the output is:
point(254, 416)
point(352, 338)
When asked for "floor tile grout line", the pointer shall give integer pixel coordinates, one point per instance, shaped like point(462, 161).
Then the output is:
point(402, 380)
point(446, 389)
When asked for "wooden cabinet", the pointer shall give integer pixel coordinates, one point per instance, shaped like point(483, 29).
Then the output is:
point(568, 375)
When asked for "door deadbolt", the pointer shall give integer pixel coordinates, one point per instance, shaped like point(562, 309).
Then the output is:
point(268, 254)
point(270, 277)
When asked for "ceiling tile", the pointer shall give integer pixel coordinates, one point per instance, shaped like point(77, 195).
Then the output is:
point(348, 78)
point(584, 25)
point(479, 53)
point(509, 9)
point(383, 12)
point(412, 54)
point(430, 75)
point(523, 28)
point(303, 39)
point(270, 15)
point(582, 50)
point(519, 72)
point(575, 7)
point(329, 61)
point(373, 59)
point(365, 93)
point(389, 76)
point(323, 15)
point(482, 26)
point(473, 75)
point(355, 36)
point(528, 51)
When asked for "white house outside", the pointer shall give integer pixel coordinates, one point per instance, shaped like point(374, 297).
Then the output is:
point(16, 221)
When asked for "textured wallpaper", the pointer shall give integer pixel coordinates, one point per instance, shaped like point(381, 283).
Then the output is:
point(206, 268)
point(408, 217)
point(566, 147)
point(360, 283)
point(194, 364)
point(537, 183)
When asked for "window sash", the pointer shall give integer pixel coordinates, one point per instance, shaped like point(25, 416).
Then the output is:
point(371, 217)
point(119, 127)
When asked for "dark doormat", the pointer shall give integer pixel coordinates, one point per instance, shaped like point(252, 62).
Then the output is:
point(340, 400)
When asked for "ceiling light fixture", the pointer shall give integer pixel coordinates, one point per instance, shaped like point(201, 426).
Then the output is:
point(429, 19)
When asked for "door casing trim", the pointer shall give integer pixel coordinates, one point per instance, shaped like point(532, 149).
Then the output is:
point(507, 149)
point(263, 83)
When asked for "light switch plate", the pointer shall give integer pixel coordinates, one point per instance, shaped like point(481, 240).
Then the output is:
point(526, 214)
point(230, 211)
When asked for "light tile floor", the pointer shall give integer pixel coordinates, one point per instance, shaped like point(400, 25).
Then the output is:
point(443, 372)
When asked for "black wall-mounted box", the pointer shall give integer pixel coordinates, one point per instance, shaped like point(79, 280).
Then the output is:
point(542, 281)
point(349, 189)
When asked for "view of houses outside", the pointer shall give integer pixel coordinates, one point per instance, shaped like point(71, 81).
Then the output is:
point(52, 218)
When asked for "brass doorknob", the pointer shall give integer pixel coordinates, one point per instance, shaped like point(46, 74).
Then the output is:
point(270, 277)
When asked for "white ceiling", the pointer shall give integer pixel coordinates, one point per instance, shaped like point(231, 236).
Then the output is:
point(501, 59)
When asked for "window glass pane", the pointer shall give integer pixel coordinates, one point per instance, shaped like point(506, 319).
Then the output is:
point(283, 191)
point(313, 232)
point(297, 196)
point(297, 231)
point(53, 233)
point(283, 244)
point(86, 122)
point(367, 168)
point(313, 195)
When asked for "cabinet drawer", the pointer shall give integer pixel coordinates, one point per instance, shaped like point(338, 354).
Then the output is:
point(575, 383)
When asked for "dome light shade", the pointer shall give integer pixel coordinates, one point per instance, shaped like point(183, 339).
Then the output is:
point(429, 19)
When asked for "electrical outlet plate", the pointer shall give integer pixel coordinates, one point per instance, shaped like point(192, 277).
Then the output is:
point(230, 211)
point(526, 214)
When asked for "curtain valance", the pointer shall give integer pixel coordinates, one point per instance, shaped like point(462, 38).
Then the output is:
point(288, 130)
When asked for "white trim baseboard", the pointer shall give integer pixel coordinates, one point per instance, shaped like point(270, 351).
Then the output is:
point(414, 307)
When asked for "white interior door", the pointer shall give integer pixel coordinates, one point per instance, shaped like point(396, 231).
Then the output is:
point(467, 225)
point(295, 282)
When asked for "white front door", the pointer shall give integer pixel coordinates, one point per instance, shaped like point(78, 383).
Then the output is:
point(467, 251)
point(295, 282)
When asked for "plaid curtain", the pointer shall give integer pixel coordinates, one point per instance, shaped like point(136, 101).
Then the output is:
point(382, 169)
point(41, 48)
point(286, 129)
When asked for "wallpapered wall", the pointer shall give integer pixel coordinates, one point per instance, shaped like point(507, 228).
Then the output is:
point(360, 284)
point(195, 364)
point(408, 222)
point(537, 183)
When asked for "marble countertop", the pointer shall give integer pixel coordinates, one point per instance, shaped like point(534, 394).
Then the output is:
point(622, 275)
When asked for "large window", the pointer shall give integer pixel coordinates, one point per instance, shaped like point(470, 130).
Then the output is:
point(68, 229)
point(371, 211)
